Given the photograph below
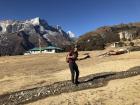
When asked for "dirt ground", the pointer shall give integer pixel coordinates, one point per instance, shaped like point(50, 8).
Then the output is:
point(24, 72)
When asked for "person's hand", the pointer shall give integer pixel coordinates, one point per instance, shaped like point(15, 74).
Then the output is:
point(88, 56)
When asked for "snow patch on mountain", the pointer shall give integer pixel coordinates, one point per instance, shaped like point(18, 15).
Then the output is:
point(35, 21)
point(71, 34)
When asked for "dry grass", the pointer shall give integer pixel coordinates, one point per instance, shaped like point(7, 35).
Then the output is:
point(22, 72)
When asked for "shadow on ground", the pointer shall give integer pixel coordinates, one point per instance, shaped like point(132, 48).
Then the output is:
point(87, 82)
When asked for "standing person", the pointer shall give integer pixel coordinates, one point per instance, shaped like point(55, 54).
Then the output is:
point(72, 57)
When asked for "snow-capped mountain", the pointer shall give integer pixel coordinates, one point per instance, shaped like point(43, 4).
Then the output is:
point(29, 31)
point(37, 21)
point(71, 34)
point(33, 25)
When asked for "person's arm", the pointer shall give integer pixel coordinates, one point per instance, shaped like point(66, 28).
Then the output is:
point(70, 56)
point(87, 56)
point(74, 56)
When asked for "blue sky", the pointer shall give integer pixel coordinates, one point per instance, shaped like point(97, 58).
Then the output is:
point(79, 16)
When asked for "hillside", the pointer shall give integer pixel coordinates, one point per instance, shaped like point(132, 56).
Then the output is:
point(101, 37)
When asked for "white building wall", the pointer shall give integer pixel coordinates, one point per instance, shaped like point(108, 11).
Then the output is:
point(45, 51)
point(122, 35)
point(34, 52)
point(125, 35)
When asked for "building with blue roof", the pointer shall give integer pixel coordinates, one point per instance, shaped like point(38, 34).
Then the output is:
point(49, 49)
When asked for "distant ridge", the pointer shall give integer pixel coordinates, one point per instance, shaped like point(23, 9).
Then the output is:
point(96, 40)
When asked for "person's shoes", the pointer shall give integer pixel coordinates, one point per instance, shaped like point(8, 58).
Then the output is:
point(77, 82)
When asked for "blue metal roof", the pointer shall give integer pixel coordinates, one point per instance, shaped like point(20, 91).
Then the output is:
point(45, 48)
point(52, 47)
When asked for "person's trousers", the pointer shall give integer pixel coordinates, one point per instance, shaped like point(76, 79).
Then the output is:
point(74, 72)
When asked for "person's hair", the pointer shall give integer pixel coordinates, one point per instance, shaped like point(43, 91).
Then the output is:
point(71, 49)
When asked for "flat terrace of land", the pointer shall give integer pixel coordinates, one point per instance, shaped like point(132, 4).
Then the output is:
point(35, 71)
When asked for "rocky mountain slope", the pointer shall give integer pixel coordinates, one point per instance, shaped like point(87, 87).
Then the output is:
point(16, 37)
point(102, 36)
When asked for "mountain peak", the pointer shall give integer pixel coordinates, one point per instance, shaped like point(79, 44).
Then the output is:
point(71, 34)
point(35, 21)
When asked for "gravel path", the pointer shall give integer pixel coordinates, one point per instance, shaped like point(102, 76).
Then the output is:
point(90, 81)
